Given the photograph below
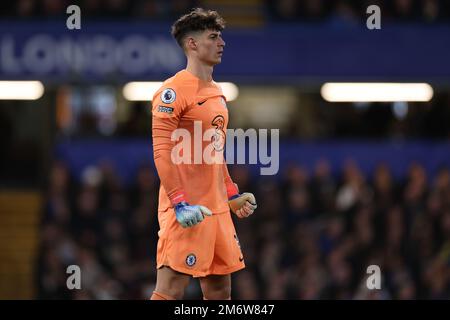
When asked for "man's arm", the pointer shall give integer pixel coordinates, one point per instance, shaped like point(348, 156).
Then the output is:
point(232, 188)
point(243, 205)
point(162, 129)
point(165, 120)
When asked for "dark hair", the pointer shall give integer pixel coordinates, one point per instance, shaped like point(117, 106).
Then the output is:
point(197, 20)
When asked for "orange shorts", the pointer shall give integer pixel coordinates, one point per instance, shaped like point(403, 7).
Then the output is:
point(210, 247)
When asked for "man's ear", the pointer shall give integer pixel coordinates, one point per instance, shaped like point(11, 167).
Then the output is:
point(191, 43)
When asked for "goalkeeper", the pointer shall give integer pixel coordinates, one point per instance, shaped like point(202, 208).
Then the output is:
point(197, 236)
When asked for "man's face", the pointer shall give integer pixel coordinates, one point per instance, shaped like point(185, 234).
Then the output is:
point(209, 46)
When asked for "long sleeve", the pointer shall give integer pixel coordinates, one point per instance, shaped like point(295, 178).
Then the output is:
point(181, 131)
point(162, 129)
point(232, 188)
point(168, 105)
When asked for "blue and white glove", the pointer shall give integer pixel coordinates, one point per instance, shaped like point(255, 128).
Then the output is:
point(189, 216)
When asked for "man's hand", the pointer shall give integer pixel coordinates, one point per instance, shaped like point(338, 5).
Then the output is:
point(243, 205)
point(189, 216)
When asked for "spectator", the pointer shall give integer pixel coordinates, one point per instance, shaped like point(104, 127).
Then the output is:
point(302, 250)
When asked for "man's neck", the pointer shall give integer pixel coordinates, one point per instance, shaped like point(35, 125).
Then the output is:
point(204, 72)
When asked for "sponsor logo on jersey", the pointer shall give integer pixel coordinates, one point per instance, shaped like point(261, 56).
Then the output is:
point(218, 140)
point(165, 109)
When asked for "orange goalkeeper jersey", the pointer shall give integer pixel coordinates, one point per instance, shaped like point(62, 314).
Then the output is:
point(189, 125)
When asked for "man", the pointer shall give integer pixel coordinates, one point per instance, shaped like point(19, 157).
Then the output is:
point(197, 236)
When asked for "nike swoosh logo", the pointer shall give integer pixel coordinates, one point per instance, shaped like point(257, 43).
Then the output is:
point(200, 103)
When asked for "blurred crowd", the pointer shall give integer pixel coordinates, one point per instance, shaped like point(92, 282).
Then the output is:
point(98, 9)
point(313, 235)
point(341, 11)
point(273, 10)
point(313, 118)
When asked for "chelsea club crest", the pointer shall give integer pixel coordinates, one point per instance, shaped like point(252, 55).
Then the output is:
point(191, 259)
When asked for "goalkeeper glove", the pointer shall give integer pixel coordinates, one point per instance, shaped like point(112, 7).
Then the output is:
point(189, 216)
point(243, 205)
